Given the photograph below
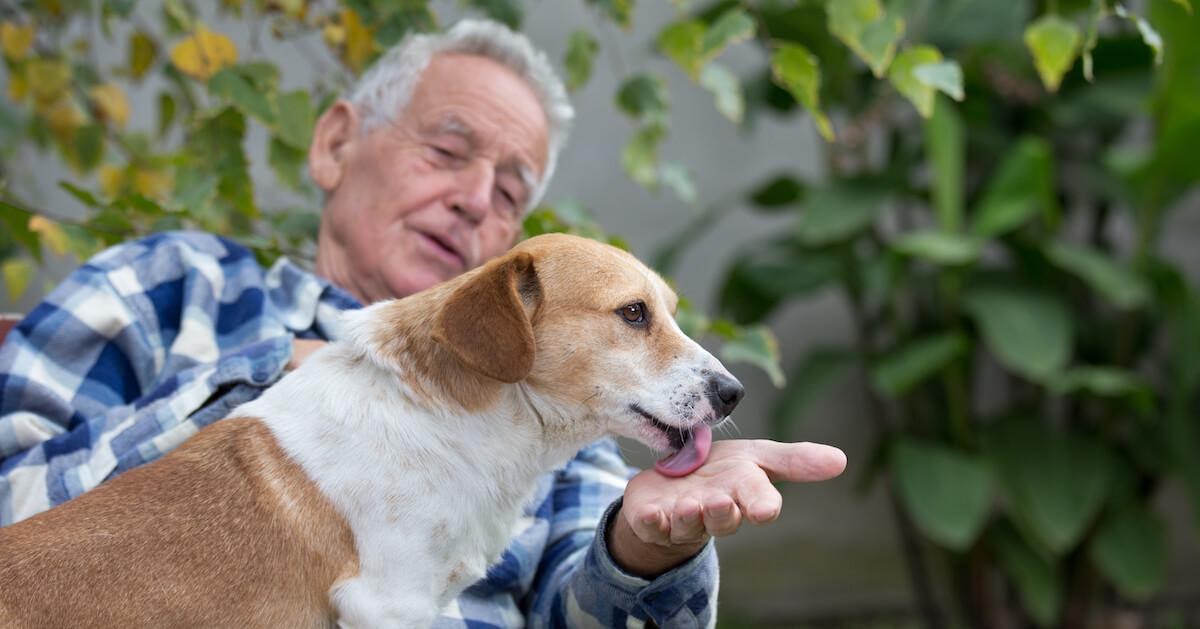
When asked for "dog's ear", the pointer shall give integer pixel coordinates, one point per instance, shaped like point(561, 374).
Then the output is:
point(487, 324)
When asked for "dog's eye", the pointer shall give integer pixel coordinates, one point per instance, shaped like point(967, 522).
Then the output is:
point(634, 313)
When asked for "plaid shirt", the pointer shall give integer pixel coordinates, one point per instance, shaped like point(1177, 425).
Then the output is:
point(151, 341)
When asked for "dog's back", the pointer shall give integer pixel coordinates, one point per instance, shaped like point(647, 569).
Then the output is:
point(160, 540)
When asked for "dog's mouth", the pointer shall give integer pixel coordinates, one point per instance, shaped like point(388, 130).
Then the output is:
point(689, 446)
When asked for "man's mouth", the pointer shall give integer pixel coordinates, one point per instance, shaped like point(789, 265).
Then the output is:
point(689, 446)
point(445, 250)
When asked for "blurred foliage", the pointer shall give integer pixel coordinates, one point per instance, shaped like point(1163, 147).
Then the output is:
point(997, 178)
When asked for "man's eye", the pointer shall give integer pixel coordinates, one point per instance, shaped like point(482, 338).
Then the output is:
point(444, 152)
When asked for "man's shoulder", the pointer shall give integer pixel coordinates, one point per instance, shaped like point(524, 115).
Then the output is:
point(173, 248)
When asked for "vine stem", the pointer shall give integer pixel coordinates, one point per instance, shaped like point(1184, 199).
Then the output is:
point(909, 542)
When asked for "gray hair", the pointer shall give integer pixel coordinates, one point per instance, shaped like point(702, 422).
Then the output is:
point(385, 89)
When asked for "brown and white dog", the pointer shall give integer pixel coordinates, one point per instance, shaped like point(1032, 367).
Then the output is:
point(373, 484)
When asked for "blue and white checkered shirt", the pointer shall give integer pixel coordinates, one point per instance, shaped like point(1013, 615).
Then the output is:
point(151, 341)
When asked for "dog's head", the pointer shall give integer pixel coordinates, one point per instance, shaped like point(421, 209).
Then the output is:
point(589, 332)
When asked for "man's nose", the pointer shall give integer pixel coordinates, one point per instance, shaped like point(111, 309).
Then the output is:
point(473, 199)
point(724, 393)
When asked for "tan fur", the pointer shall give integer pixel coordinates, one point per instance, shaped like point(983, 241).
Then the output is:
point(225, 527)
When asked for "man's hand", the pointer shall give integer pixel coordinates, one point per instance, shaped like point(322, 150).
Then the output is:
point(302, 349)
point(665, 521)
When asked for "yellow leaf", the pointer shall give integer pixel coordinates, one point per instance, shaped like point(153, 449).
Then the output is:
point(203, 54)
point(360, 41)
point(294, 8)
point(16, 40)
point(51, 232)
point(334, 34)
point(111, 101)
point(153, 184)
point(112, 179)
point(18, 86)
point(17, 273)
point(48, 79)
point(64, 115)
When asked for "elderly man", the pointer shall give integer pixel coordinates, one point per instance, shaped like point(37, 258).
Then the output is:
point(428, 168)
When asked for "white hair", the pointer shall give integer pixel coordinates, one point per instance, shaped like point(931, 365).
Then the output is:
point(386, 88)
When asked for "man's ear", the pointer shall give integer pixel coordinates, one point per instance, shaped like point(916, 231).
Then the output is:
point(487, 322)
point(336, 128)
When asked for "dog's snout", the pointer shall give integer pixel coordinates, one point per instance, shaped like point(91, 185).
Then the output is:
point(724, 391)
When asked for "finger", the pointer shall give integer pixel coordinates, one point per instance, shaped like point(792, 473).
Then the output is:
point(686, 523)
point(798, 462)
point(650, 525)
point(759, 502)
point(721, 515)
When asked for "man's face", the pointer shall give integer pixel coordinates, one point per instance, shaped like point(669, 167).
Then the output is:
point(439, 190)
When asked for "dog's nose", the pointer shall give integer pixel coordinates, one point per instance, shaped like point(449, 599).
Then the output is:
point(724, 391)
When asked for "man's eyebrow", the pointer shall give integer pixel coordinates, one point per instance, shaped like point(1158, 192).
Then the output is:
point(450, 123)
point(454, 125)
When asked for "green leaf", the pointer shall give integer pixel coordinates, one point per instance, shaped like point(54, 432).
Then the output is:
point(1038, 581)
point(732, 27)
point(1186, 4)
point(756, 345)
point(1149, 35)
point(779, 192)
point(840, 211)
point(1111, 382)
point(507, 12)
point(939, 247)
point(619, 11)
point(288, 162)
point(947, 492)
point(916, 360)
point(141, 54)
point(867, 29)
point(17, 273)
point(166, 112)
point(230, 85)
point(1054, 482)
point(726, 91)
point(296, 118)
point(796, 69)
point(1021, 186)
point(901, 75)
point(1130, 550)
point(581, 52)
point(678, 178)
point(683, 43)
point(88, 147)
point(639, 158)
point(816, 372)
point(83, 196)
point(945, 144)
point(1112, 280)
point(1028, 330)
point(943, 76)
point(1054, 43)
point(770, 273)
point(644, 97)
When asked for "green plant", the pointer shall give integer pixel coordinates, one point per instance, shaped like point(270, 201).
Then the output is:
point(1011, 238)
point(1009, 230)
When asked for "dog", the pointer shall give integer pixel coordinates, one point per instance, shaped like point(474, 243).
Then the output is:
point(373, 484)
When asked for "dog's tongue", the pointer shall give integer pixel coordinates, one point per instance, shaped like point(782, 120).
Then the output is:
point(691, 456)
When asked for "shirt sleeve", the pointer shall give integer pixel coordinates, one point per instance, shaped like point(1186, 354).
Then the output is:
point(580, 585)
point(115, 368)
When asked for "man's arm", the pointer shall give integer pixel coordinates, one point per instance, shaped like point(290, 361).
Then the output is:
point(579, 583)
point(109, 371)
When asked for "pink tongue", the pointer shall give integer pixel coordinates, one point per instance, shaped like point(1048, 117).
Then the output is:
point(691, 456)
